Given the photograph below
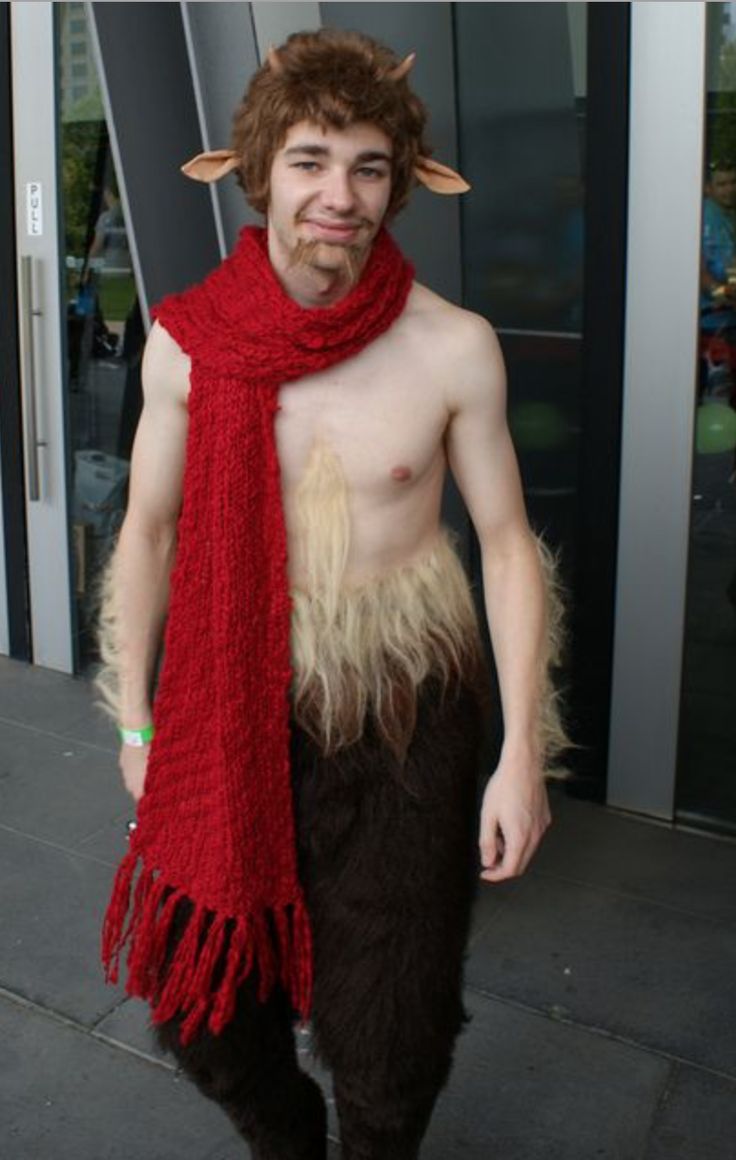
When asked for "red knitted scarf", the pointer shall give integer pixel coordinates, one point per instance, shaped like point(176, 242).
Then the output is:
point(215, 824)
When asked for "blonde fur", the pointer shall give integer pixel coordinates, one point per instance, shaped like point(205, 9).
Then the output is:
point(364, 648)
point(107, 678)
point(553, 738)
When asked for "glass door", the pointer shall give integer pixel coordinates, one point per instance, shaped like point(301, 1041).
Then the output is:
point(41, 337)
point(706, 784)
point(542, 115)
point(81, 329)
point(103, 324)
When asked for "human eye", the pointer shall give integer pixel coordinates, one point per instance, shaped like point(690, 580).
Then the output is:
point(371, 171)
point(307, 166)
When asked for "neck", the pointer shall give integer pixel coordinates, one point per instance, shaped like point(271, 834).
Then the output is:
point(327, 276)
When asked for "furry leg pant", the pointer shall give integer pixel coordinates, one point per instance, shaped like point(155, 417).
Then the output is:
point(388, 860)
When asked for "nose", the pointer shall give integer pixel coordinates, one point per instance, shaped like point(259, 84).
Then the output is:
point(337, 192)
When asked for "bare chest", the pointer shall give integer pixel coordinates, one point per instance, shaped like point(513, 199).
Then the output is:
point(385, 422)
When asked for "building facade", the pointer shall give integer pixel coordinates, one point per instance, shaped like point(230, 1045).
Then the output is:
point(586, 131)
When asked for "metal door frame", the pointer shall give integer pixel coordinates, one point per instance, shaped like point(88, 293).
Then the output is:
point(35, 130)
point(660, 351)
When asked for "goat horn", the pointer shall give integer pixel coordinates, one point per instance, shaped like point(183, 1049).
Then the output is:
point(400, 71)
point(274, 63)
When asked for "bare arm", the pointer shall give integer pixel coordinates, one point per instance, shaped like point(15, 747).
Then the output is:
point(136, 597)
point(481, 456)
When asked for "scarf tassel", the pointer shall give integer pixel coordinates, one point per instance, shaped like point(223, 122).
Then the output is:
point(212, 958)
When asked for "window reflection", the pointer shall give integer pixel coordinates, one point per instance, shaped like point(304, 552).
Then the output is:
point(522, 125)
point(104, 326)
point(707, 760)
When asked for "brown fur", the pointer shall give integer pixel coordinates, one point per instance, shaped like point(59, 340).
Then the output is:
point(388, 861)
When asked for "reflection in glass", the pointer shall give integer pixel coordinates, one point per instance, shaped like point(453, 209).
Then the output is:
point(104, 330)
point(706, 785)
point(521, 103)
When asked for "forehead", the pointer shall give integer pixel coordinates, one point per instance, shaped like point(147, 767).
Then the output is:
point(362, 137)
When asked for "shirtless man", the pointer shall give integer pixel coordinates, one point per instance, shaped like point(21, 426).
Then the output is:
point(363, 447)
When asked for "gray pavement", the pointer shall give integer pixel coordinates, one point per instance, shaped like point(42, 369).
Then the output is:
point(601, 986)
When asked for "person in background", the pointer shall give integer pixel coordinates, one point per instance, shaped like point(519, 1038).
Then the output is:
point(718, 282)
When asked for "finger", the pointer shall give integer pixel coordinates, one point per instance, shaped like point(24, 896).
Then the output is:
point(491, 845)
point(509, 866)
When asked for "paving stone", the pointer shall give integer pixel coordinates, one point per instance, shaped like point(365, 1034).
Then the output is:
point(109, 843)
point(696, 1120)
point(53, 904)
point(588, 843)
point(55, 788)
point(639, 914)
point(490, 900)
point(525, 1087)
point(52, 701)
point(66, 1096)
point(129, 1025)
point(643, 971)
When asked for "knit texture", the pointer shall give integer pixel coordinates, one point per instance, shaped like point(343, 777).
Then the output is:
point(215, 824)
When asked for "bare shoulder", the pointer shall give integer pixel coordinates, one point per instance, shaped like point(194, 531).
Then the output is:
point(165, 370)
point(461, 344)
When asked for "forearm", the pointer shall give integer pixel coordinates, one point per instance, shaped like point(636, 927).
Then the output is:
point(514, 600)
point(133, 612)
point(525, 619)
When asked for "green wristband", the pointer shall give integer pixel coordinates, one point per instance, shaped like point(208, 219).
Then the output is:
point(136, 737)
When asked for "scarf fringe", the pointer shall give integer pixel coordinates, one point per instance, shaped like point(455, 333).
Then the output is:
point(275, 942)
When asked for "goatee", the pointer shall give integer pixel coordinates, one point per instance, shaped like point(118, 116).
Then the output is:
point(311, 253)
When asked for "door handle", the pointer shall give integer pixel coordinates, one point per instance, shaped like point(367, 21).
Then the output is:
point(28, 312)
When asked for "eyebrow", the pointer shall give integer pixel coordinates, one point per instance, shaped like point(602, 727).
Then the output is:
point(323, 151)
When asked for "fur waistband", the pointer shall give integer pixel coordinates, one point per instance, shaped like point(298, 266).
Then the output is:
point(366, 648)
point(362, 648)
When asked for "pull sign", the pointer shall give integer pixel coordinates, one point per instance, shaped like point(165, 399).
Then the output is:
point(34, 209)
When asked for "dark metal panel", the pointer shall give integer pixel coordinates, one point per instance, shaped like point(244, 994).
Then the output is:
point(13, 507)
point(225, 57)
point(154, 124)
point(607, 173)
point(429, 228)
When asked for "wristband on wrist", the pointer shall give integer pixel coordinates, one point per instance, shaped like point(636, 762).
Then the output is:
point(136, 737)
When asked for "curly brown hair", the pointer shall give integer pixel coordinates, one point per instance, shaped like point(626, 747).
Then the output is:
point(334, 79)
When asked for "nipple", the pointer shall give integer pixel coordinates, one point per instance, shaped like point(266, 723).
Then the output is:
point(401, 473)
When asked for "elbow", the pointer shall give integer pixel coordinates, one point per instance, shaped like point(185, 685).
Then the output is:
point(147, 534)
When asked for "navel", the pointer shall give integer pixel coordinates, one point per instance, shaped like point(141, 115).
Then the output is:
point(401, 473)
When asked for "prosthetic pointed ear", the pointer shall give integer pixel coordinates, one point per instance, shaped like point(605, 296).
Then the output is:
point(439, 178)
point(211, 166)
point(402, 70)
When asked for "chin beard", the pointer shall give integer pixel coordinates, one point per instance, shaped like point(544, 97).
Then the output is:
point(346, 260)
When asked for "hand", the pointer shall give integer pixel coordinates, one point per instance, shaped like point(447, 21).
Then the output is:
point(513, 818)
point(133, 762)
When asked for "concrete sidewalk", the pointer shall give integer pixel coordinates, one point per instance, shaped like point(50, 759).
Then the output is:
point(602, 985)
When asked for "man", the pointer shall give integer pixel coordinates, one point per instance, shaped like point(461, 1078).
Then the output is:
point(320, 394)
point(717, 293)
point(719, 232)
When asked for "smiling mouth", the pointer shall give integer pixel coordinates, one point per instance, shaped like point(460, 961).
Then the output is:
point(335, 229)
